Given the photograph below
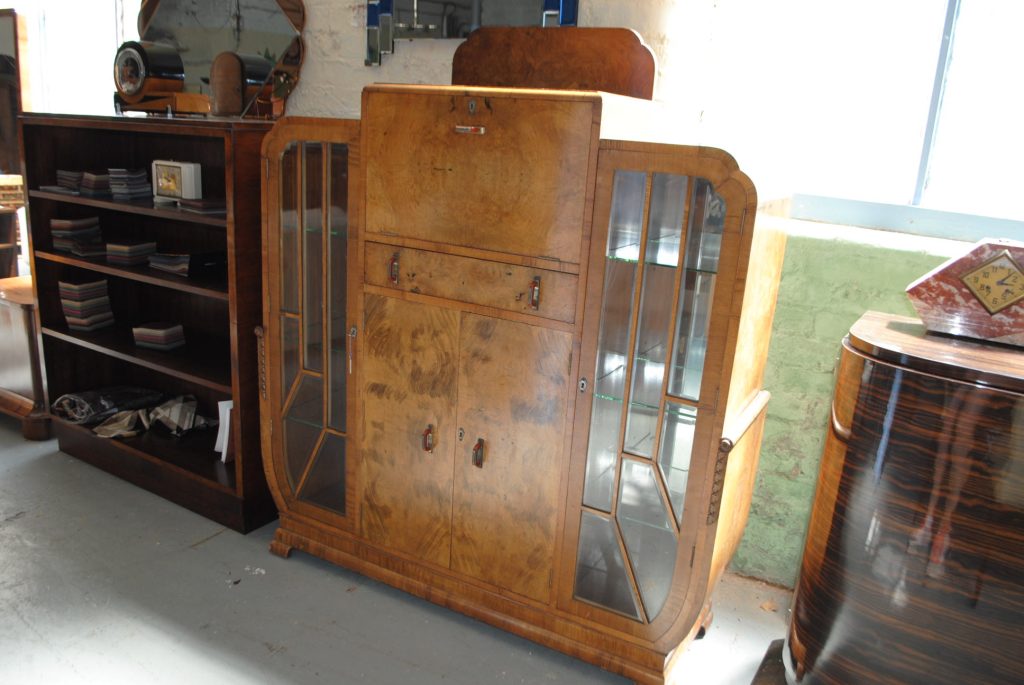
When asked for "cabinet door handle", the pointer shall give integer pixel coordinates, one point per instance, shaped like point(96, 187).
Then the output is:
point(393, 269)
point(351, 343)
point(535, 293)
point(428, 439)
point(478, 453)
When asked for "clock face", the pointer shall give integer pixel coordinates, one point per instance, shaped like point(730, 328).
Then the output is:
point(129, 71)
point(998, 283)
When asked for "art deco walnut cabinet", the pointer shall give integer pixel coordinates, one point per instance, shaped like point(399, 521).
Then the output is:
point(513, 360)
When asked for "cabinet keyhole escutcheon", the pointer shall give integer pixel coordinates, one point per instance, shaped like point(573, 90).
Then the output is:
point(462, 434)
point(478, 453)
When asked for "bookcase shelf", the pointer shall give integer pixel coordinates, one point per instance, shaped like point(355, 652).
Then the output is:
point(147, 208)
point(142, 274)
point(218, 361)
point(196, 362)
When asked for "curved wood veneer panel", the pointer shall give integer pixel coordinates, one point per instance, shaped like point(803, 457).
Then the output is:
point(613, 60)
point(913, 569)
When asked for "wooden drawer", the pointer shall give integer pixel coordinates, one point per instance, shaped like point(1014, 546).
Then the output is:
point(476, 281)
point(511, 176)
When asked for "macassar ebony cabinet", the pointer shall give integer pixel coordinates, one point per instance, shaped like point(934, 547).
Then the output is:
point(218, 311)
point(522, 377)
point(913, 566)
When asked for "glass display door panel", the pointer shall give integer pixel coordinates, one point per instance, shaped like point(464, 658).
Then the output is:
point(627, 215)
point(663, 237)
point(309, 321)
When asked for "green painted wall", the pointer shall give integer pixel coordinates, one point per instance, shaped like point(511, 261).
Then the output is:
point(826, 285)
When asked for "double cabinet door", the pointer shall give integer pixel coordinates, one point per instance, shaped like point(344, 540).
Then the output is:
point(463, 435)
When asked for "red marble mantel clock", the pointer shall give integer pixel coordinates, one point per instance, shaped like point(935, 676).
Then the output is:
point(978, 295)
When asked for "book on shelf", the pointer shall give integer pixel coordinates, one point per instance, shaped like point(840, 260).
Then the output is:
point(80, 308)
point(58, 189)
point(95, 184)
point(69, 179)
point(82, 291)
point(130, 254)
point(204, 205)
point(79, 236)
point(69, 245)
point(74, 224)
point(223, 440)
point(129, 185)
point(88, 249)
point(201, 265)
point(159, 335)
point(90, 323)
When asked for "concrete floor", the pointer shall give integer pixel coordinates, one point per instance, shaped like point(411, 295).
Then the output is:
point(101, 582)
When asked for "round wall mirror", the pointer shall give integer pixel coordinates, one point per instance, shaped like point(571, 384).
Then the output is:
point(266, 35)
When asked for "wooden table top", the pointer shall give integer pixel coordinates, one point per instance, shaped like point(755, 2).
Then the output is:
point(17, 289)
point(904, 341)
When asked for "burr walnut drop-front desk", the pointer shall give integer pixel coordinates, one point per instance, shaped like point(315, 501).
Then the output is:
point(513, 360)
point(913, 570)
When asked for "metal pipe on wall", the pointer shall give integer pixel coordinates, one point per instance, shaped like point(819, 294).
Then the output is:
point(476, 17)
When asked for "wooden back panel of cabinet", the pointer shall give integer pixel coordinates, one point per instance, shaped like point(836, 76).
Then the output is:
point(481, 168)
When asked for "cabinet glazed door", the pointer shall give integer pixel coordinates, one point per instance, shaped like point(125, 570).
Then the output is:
point(309, 244)
point(660, 261)
point(409, 385)
point(513, 385)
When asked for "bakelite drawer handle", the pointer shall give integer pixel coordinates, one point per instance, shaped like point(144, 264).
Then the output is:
point(535, 293)
point(428, 439)
point(393, 269)
point(478, 453)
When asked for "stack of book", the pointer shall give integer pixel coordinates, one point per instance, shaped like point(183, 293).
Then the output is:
point(95, 184)
point(78, 236)
point(129, 254)
point(86, 305)
point(130, 185)
point(159, 335)
point(205, 266)
point(170, 262)
point(212, 206)
point(69, 180)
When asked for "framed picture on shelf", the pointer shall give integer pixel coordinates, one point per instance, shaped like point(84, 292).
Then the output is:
point(174, 181)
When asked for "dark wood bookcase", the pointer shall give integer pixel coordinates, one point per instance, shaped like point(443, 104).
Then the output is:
point(219, 360)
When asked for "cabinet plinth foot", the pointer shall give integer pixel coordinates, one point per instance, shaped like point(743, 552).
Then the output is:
point(36, 426)
point(280, 549)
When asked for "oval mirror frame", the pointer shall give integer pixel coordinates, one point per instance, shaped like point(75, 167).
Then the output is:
point(269, 103)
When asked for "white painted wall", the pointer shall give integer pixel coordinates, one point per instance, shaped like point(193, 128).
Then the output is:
point(817, 97)
point(820, 97)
